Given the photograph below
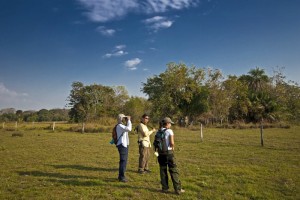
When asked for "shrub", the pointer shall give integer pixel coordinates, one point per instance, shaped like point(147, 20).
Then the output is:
point(17, 134)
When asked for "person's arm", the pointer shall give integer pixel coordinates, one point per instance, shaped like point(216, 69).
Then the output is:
point(128, 126)
point(145, 131)
point(172, 141)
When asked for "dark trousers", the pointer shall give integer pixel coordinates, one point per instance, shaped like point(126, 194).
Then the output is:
point(123, 152)
point(165, 162)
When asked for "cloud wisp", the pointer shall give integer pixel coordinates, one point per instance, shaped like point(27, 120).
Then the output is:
point(158, 22)
point(10, 98)
point(132, 64)
point(107, 10)
point(160, 6)
point(9, 93)
point(118, 51)
point(105, 31)
point(115, 54)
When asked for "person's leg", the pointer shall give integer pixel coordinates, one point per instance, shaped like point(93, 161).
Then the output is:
point(147, 156)
point(141, 158)
point(123, 152)
point(174, 172)
point(163, 162)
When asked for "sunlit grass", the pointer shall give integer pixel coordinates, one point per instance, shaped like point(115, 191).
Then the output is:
point(227, 164)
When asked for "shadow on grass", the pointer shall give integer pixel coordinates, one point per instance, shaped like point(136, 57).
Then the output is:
point(52, 175)
point(85, 181)
point(81, 167)
point(85, 168)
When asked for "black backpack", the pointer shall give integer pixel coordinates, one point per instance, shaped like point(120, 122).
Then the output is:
point(160, 143)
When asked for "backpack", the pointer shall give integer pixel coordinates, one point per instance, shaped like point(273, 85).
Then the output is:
point(114, 136)
point(160, 143)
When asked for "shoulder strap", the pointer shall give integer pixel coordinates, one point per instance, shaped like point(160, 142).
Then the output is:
point(120, 135)
point(164, 130)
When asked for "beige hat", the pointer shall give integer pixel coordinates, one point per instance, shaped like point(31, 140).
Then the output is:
point(120, 117)
point(167, 120)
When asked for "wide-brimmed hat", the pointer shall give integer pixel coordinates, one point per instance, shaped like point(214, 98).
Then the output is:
point(167, 120)
point(120, 117)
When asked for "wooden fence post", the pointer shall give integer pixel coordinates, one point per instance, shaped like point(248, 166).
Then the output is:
point(53, 126)
point(3, 125)
point(201, 133)
point(82, 130)
point(261, 134)
point(16, 125)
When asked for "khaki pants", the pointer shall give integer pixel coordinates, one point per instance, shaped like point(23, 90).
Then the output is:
point(144, 157)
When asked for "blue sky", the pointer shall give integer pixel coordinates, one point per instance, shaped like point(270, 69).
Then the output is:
point(45, 45)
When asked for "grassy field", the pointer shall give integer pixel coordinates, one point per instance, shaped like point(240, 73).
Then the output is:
point(228, 164)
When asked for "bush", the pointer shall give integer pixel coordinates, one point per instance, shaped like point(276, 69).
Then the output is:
point(17, 134)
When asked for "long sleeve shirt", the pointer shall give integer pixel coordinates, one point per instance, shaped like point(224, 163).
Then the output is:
point(124, 140)
point(144, 135)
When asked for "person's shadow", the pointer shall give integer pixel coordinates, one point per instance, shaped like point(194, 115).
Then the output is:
point(78, 180)
point(85, 168)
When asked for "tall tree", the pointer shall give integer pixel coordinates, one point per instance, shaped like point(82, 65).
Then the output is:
point(237, 92)
point(19, 114)
point(93, 101)
point(262, 103)
point(172, 92)
point(120, 98)
point(218, 99)
point(136, 107)
point(256, 79)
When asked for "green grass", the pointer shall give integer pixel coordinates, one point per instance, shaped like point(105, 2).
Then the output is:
point(228, 164)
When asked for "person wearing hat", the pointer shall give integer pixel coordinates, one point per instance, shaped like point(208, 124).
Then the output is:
point(144, 144)
point(122, 129)
point(168, 160)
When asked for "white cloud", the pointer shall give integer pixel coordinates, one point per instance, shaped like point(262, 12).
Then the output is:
point(118, 51)
point(10, 98)
point(9, 93)
point(121, 46)
point(115, 54)
point(158, 22)
point(106, 10)
point(158, 6)
point(106, 32)
point(131, 64)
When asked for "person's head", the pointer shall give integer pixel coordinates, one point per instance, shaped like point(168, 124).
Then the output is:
point(121, 117)
point(166, 122)
point(145, 119)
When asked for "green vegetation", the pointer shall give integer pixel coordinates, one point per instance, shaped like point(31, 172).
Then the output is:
point(228, 164)
point(189, 95)
point(205, 95)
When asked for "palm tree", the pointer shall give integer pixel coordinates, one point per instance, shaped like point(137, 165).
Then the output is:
point(257, 79)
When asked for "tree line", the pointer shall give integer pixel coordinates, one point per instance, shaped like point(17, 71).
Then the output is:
point(188, 95)
point(43, 115)
point(196, 94)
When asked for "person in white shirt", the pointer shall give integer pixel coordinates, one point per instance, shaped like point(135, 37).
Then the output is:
point(123, 127)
